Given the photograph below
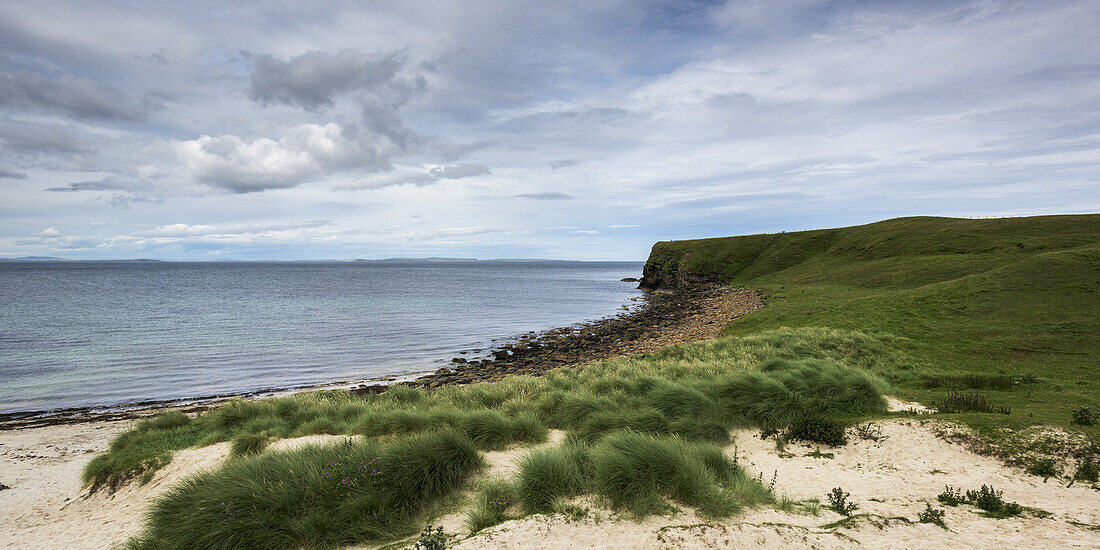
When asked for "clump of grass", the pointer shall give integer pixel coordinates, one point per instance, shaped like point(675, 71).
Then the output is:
point(638, 472)
point(817, 430)
point(248, 444)
point(491, 430)
point(491, 504)
point(932, 515)
point(314, 496)
point(546, 475)
point(839, 503)
point(957, 402)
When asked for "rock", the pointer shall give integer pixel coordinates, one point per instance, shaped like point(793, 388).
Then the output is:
point(369, 390)
point(443, 371)
point(458, 361)
point(629, 280)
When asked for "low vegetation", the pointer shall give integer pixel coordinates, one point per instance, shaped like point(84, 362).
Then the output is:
point(987, 499)
point(315, 497)
point(642, 432)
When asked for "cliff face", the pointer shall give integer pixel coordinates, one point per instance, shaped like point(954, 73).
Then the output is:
point(654, 278)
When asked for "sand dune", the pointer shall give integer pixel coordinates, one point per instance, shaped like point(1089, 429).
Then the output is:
point(46, 507)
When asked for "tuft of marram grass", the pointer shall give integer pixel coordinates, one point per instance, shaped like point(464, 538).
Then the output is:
point(248, 444)
point(491, 504)
point(547, 475)
point(313, 497)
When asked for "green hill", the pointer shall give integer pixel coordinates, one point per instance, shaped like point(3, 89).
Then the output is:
point(975, 301)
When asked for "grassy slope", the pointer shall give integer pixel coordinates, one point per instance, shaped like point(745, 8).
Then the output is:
point(1007, 296)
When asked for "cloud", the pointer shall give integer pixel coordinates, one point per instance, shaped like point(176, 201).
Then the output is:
point(80, 98)
point(109, 183)
point(183, 230)
point(312, 80)
point(458, 171)
point(585, 232)
point(48, 233)
point(8, 173)
point(43, 138)
point(418, 179)
point(304, 153)
point(563, 163)
point(623, 226)
point(547, 196)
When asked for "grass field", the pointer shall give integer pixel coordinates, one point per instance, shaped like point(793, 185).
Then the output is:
point(993, 315)
point(1004, 299)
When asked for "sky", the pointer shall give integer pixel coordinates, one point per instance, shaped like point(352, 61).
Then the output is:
point(566, 130)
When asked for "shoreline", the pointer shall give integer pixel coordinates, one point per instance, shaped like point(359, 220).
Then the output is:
point(665, 317)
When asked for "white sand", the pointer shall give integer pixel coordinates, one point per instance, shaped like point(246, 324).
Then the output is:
point(905, 471)
point(45, 507)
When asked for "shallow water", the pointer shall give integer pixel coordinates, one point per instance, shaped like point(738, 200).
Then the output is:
point(101, 333)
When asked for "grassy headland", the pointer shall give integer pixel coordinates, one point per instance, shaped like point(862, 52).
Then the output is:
point(1008, 307)
point(922, 307)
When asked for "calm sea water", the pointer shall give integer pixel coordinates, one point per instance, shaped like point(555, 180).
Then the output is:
point(102, 333)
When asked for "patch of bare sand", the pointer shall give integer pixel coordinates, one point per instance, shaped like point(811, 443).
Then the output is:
point(46, 507)
point(901, 473)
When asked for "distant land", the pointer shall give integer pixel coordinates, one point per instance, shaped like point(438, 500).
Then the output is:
point(357, 260)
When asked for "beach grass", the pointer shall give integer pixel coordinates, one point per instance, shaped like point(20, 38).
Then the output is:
point(312, 497)
point(632, 414)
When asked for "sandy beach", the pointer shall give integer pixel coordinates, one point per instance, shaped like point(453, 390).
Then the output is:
point(45, 506)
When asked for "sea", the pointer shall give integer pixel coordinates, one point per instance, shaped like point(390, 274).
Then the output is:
point(99, 334)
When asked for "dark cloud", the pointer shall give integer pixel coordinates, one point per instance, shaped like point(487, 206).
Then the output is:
point(109, 183)
point(44, 138)
point(457, 171)
point(312, 80)
point(547, 196)
point(7, 173)
point(563, 163)
point(80, 98)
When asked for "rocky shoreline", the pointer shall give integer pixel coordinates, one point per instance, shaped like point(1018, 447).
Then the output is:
point(667, 317)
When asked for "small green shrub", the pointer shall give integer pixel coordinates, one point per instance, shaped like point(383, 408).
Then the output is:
point(932, 515)
point(431, 539)
point(869, 431)
point(951, 497)
point(817, 430)
point(1045, 468)
point(1087, 470)
point(1084, 416)
point(991, 501)
point(839, 503)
